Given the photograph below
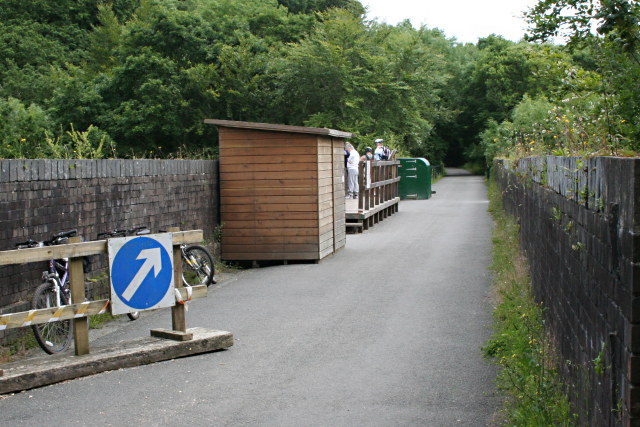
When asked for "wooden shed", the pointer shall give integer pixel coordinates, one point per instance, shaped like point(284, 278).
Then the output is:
point(281, 191)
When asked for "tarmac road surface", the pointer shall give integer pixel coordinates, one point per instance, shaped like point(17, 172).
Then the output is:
point(387, 332)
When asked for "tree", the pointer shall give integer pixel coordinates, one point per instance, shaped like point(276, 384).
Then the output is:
point(375, 80)
point(494, 84)
point(147, 73)
point(454, 132)
point(614, 48)
point(575, 20)
point(153, 77)
point(310, 6)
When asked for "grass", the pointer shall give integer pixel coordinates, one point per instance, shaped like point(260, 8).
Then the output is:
point(99, 321)
point(17, 347)
point(533, 390)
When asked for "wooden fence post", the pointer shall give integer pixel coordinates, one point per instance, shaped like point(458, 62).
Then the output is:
point(76, 284)
point(178, 311)
point(178, 317)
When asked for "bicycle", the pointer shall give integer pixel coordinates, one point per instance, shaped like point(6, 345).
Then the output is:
point(53, 337)
point(197, 265)
point(123, 232)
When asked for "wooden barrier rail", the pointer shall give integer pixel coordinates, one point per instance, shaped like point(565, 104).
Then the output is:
point(53, 314)
point(378, 183)
point(73, 311)
point(81, 249)
point(79, 312)
point(379, 193)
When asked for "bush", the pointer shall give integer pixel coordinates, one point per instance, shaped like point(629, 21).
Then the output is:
point(22, 130)
point(90, 144)
point(581, 124)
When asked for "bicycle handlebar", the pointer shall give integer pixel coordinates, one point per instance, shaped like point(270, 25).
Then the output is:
point(28, 244)
point(57, 239)
point(63, 234)
point(122, 232)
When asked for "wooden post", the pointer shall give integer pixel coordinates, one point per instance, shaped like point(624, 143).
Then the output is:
point(178, 330)
point(386, 187)
point(361, 185)
point(376, 201)
point(396, 185)
point(178, 317)
point(76, 283)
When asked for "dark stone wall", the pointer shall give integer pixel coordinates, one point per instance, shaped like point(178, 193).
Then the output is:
point(580, 230)
point(41, 197)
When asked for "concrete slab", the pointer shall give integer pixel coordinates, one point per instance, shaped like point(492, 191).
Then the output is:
point(44, 370)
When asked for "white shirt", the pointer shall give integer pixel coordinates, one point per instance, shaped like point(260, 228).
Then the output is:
point(378, 153)
point(353, 160)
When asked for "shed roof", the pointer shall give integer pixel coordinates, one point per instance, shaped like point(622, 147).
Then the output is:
point(279, 128)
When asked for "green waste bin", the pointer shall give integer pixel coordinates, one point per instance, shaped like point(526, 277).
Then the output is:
point(415, 178)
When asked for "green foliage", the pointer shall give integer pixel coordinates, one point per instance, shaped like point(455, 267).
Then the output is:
point(525, 132)
point(145, 105)
point(376, 81)
point(528, 374)
point(22, 129)
point(575, 19)
point(104, 39)
point(147, 72)
point(309, 6)
point(599, 365)
point(217, 233)
point(25, 134)
point(579, 125)
point(491, 81)
point(99, 321)
point(39, 37)
point(613, 54)
point(15, 348)
point(90, 144)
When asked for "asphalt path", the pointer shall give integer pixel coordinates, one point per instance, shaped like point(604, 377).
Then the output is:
point(387, 332)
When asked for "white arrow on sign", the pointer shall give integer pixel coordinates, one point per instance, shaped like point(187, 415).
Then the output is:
point(153, 260)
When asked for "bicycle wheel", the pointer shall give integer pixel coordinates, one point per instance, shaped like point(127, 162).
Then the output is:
point(197, 266)
point(134, 315)
point(53, 337)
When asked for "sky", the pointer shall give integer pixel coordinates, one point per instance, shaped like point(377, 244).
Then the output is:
point(466, 20)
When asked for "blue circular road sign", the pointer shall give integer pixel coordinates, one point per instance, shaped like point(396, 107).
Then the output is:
point(141, 273)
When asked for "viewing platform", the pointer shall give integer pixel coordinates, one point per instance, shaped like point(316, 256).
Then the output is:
point(379, 195)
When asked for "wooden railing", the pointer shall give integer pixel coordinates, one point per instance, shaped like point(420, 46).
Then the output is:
point(379, 184)
point(378, 197)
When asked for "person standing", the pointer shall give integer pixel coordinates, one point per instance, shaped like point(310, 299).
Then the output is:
point(380, 153)
point(368, 154)
point(353, 162)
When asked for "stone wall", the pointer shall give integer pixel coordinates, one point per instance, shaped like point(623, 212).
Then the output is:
point(579, 224)
point(41, 197)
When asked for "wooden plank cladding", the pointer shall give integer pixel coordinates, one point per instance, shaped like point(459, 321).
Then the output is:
point(261, 175)
point(281, 191)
